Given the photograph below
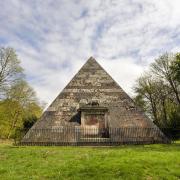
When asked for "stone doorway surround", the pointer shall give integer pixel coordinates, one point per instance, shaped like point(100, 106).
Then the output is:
point(94, 119)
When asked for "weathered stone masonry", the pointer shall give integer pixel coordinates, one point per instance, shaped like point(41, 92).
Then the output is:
point(92, 84)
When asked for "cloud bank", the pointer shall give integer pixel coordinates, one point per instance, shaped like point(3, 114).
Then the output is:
point(54, 38)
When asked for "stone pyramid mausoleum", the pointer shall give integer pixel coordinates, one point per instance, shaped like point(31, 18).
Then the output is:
point(92, 100)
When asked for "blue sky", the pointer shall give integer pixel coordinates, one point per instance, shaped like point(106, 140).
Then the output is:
point(54, 38)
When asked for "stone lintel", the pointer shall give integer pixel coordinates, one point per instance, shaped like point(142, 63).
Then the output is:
point(93, 109)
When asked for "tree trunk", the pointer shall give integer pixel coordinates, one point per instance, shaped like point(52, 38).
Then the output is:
point(165, 113)
point(175, 90)
point(153, 106)
point(13, 125)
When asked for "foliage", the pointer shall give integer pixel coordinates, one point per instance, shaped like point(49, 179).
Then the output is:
point(175, 117)
point(175, 67)
point(124, 162)
point(13, 114)
point(29, 122)
point(158, 92)
point(10, 111)
point(18, 100)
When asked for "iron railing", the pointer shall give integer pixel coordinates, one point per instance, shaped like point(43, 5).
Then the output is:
point(95, 136)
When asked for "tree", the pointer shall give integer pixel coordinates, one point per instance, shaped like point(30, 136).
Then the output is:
point(18, 100)
point(10, 69)
point(162, 69)
point(22, 102)
point(28, 122)
point(145, 90)
point(157, 92)
point(175, 67)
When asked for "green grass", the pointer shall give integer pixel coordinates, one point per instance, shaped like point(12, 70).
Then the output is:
point(124, 162)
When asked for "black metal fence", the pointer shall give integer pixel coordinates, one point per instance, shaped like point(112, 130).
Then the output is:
point(95, 136)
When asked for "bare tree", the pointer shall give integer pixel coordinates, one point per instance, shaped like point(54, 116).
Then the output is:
point(145, 87)
point(10, 69)
point(162, 69)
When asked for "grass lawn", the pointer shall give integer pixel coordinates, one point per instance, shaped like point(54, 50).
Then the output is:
point(124, 162)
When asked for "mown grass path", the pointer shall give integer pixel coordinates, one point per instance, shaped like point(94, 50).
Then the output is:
point(124, 162)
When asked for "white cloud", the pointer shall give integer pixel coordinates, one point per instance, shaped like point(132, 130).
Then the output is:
point(53, 38)
point(124, 71)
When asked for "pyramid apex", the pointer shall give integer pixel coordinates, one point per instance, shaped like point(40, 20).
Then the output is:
point(91, 59)
point(91, 62)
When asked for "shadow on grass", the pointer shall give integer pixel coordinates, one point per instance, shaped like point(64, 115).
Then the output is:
point(141, 148)
point(152, 147)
